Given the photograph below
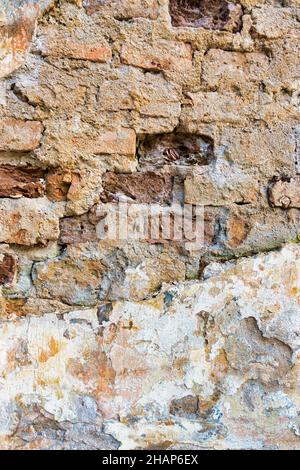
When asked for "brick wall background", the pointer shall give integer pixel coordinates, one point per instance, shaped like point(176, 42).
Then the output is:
point(144, 343)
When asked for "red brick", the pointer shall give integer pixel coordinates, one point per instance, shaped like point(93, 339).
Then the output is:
point(144, 187)
point(17, 182)
point(7, 268)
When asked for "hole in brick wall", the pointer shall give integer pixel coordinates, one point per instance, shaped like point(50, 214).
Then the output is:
point(208, 14)
point(175, 149)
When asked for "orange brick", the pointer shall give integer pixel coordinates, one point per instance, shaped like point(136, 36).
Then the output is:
point(19, 136)
point(121, 142)
point(70, 48)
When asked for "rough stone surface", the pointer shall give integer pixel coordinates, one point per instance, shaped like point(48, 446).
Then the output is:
point(149, 341)
point(17, 182)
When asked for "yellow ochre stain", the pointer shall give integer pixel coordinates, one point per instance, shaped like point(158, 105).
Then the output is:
point(52, 350)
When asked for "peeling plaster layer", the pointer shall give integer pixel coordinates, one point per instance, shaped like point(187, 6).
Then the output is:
point(231, 341)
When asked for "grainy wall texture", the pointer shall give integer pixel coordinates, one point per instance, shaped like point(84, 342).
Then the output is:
point(147, 344)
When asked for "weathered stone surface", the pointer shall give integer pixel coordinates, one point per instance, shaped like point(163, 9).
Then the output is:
point(153, 100)
point(121, 142)
point(72, 281)
point(163, 56)
point(210, 189)
point(19, 136)
point(212, 106)
point(237, 230)
point(17, 182)
point(28, 221)
point(147, 278)
point(67, 143)
point(58, 183)
point(234, 70)
point(285, 193)
point(59, 45)
point(272, 22)
point(17, 27)
point(123, 10)
point(244, 353)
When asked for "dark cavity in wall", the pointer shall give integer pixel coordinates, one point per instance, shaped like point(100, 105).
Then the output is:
point(175, 149)
point(207, 14)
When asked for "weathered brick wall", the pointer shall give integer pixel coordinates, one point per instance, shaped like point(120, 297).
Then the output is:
point(146, 343)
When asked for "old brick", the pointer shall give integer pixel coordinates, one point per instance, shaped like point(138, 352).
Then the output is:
point(17, 182)
point(58, 45)
point(78, 229)
point(58, 183)
point(7, 268)
point(166, 55)
point(285, 193)
point(15, 36)
point(147, 187)
point(237, 230)
point(19, 136)
point(208, 14)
